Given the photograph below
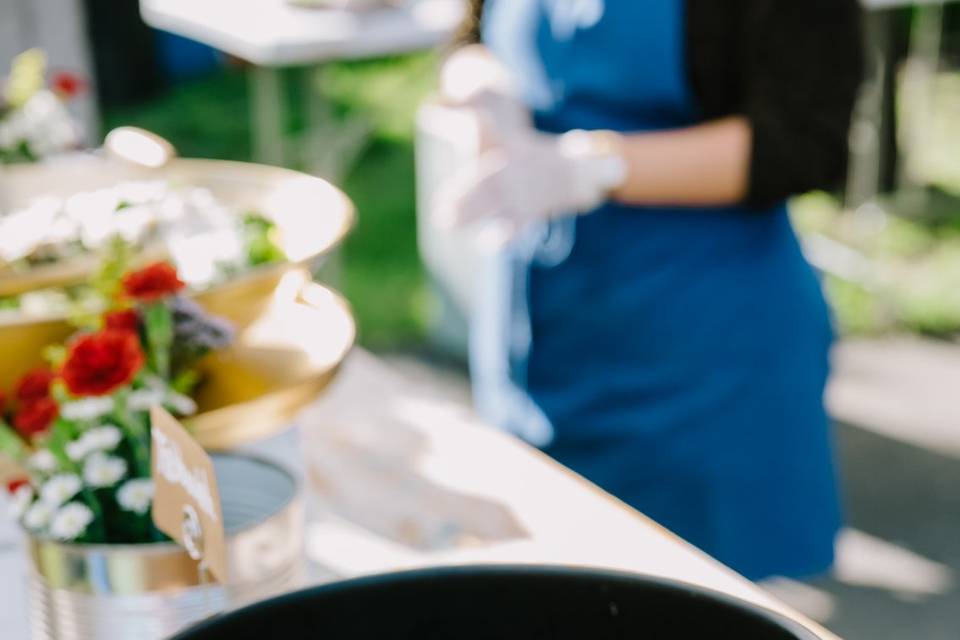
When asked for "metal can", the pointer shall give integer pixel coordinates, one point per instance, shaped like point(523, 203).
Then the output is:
point(101, 592)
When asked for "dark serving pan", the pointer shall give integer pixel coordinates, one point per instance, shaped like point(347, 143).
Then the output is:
point(501, 603)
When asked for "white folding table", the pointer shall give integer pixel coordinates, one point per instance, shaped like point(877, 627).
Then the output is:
point(274, 34)
point(399, 476)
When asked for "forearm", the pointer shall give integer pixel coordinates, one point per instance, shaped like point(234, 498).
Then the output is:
point(705, 164)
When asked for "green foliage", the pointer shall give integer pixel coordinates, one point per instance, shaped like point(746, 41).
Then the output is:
point(185, 381)
point(914, 265)
point(21, 152)
point(927, 297)
point(856, 310)
point(27, 77)
point(62, 432)
point(158, 327)
point(11, 445)
point(260, 238)
point(54, 355)
point(86, 301)
point(9, 303)
point(108, 279)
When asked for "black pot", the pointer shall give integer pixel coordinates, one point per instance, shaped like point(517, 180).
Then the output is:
point(501, 603)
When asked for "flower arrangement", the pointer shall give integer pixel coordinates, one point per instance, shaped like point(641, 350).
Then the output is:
point(80, 426)
point(34, 121)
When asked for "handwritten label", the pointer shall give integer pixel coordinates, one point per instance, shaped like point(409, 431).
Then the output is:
point(186, 503)
point(171, 466)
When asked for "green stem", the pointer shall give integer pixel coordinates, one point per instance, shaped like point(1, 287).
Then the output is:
point(158, 321)
point(137, 433)
point(11, 444)
point(94, 504)
point(62, 433)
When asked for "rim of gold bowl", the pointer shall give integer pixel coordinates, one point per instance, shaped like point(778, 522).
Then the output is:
point(283, 195)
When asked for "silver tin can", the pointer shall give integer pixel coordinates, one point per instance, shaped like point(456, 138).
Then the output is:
point(102, 592)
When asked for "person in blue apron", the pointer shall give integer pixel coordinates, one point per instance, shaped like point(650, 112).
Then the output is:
point(655, 326)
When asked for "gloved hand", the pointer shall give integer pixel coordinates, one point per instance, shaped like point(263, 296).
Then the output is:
point(520, 175)
point(472, 78)
point(527, 176)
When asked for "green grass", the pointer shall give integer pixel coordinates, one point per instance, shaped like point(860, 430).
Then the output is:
point(381, 273)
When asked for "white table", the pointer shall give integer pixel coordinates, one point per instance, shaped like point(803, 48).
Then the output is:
point(273, 35)
point(401, 477)
point(413, 479)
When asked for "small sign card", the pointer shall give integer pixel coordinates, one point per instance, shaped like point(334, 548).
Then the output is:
point(186, 503)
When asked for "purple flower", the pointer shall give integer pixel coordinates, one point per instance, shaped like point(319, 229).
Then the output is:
point(196, 332)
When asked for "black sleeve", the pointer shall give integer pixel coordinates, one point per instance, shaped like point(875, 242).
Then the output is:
point(800, 70)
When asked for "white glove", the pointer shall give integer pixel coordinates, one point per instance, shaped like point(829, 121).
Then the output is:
point(529, 177)
point(472, 78)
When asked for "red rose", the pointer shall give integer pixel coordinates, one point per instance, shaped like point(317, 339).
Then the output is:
point(3, 403)
point(99, 363)
point(34, 385)
point(34, 418)
point(125, 320)
point(152, 283)
point(14, 485)
point(66, 85)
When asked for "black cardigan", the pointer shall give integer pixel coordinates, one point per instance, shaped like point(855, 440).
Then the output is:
point(791, 67)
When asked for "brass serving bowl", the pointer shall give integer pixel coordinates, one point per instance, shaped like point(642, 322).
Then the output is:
point(23, 339)
point(274, 368)
point(312, 216)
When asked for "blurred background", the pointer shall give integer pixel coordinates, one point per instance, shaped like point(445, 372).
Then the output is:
point(888, 245)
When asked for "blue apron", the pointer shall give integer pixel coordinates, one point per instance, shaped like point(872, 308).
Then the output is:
point(674, 356)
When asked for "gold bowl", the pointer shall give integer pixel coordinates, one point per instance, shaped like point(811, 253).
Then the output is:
point(275, 367)
point(23, 339)
point(312, 216)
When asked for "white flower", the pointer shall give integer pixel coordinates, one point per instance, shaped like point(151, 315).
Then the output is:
point(181, 404)
point(98, 439)
point(144, 399)
point(24, 230)
point(60, 488)
point(70, 521)
point(77, 450)
point(102, 438)
point(37, 516)
point(158, 393)
point(43, 461)
point(101, 470)
point(136, 495)
point(20, 501)
point(87, 408)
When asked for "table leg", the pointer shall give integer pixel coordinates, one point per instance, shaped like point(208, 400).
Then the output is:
point(919, 88)
point(319, 154)
point(331, 145)
point(318, 123)
point(863, 177)
point(267, 112)
point(877, 165)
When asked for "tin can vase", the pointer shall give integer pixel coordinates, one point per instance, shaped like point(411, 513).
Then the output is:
point(150, 591)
